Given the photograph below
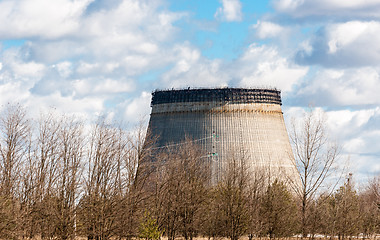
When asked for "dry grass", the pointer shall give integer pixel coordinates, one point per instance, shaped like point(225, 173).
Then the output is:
point(244, 238)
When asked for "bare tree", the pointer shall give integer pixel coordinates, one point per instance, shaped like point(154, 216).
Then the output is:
point(210, 222)
point(232, 195)
point(278, 211)
point(45, 165)
point(136, 168)
point(27, 196)
point(167, 199)
point(14, 142)
point(193, 177)
point(9, 218)
point(98, 203)
point(182, 189)
point(345, 218)
point(318, 215)
point(50, 181)
point(70, 153)
point(14, 131)
point(257, 188)
point(315, 157)
point(370, 208)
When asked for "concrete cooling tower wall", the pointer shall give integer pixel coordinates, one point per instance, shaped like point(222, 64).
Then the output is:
point(244, 122)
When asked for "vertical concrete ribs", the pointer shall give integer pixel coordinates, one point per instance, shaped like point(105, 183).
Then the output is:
point(222, 121)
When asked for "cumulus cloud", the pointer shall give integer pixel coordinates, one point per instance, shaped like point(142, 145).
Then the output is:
point(357, 131)
point(264, 66)
point(14, 66)
point(137, 107)
point(348, 44)
point(230, 11)
point(40, 18)
point(77, 53)
point(258, 66)
point(134, 30)
point(193, 70)
point(85, 87)
point(352, 123)
point(103, 55)
point(338, 88)
point(17, 89)
point(330, 8)
point(265, 29)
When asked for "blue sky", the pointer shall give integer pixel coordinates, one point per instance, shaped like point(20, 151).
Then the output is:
point(105, 57)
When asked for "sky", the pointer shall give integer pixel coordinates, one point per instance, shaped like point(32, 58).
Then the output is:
point(105, 57)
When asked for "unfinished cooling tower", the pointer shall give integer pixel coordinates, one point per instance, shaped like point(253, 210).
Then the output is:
point(244, 122)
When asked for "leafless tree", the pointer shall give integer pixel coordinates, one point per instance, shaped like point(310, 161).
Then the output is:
point(14, 131)
point(232, 194)
point(99, 201)
point(182, 189)
point(70, 154)
point(14, 136)
point(369, 201)
point(211, 224)
point(27, 196)
point(318, 215)
point(194, 176)
point(257, 187)
point(44, 166)
point(315, 157)
point(278, 211)
point(346, 219)
point(136, 169)
point(50, 181)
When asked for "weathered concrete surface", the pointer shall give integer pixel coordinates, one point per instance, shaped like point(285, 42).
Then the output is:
point(255, 131)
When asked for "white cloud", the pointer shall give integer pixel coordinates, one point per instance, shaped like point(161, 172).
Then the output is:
point(86, 87)
point(287, 5)
point(351, 123)
point(40, 18)
point(29, 69)
point(266, 29)
point(12, 92)
point(138, 108)
point(191, 69)
point(265, 67)
point(88, 107)
point(15, 70)
point(332, 8)
point(341, 45)
point(75, 56)
point(350, 87)
point(64, 69)
point(350, 34)
point(202, 73)
point(258, 66)
point(15, 92)
point(132, 28)
point(86, 68)
point(358, 132)
point(230, 11)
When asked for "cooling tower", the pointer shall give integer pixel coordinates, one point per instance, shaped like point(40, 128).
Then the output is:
point(244, 122)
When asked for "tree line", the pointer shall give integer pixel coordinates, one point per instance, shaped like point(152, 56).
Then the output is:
point(60, 179)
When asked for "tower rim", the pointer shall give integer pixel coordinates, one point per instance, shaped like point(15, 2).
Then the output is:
point(221, 95)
